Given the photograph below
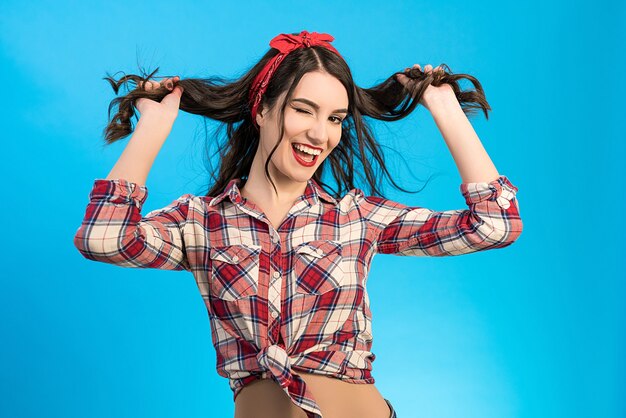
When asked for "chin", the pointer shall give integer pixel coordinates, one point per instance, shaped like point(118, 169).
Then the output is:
point(302, 177)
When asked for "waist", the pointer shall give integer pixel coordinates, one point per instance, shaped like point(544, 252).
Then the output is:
point(337, 398)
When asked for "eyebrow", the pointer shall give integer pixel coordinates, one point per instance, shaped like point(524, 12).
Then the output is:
point(315, 105)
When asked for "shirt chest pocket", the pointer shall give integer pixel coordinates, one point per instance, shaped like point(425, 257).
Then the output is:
point(318, 266)
point(234, 271)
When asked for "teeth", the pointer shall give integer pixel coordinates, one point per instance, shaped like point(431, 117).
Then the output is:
point(307, 150)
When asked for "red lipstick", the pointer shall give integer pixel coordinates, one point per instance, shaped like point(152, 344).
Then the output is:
point(301, 161)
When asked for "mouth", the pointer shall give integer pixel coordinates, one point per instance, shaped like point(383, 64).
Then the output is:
point(303, 158)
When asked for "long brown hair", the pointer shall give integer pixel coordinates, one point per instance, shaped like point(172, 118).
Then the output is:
point(227, 101)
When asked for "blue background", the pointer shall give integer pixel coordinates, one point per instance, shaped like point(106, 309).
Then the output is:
point(533, 330)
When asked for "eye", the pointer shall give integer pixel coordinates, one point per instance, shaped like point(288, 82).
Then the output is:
point(337, 119)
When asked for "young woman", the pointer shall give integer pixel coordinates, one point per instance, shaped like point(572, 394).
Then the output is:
point(280, 262)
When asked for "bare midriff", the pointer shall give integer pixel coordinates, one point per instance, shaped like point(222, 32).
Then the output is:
point(336, 398)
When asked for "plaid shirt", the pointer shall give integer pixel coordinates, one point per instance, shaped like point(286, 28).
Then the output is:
point(292, 299)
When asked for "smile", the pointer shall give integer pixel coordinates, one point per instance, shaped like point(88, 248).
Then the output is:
point(302, 158)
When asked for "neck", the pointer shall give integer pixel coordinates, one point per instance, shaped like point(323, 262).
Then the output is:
point(259, 189)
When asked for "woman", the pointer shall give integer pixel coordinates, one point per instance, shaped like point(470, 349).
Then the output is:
point(281, 263)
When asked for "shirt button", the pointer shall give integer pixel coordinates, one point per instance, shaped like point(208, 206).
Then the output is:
point(275, 239)
point(235, 259)
point(276, 274)
point(274, 315)
point(319, 251)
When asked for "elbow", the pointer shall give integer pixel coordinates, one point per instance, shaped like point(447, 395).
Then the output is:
point(493, 223)
point(94, 246)
point(513, 225)
point(505, 226)
point(505, 233)
point(129, 249)
point(82, 244)
point(487, 232)
point(509, 238)
point(516, 230)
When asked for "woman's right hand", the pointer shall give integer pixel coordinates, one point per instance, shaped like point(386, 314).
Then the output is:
point(167, 109)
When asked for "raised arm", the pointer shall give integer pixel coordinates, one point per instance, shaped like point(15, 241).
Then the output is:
point(113, 229)
point(492, 219)
point(468, 152)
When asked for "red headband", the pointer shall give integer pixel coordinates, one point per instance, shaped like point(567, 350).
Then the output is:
point(285, 43)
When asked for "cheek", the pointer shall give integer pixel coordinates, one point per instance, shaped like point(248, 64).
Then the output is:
point(331, 149)
point(334, 141)
point(294, 125)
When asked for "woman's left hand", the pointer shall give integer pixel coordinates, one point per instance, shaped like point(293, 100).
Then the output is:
point(432, 94)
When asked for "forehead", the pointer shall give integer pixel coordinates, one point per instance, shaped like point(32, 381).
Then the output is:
point(322, 88)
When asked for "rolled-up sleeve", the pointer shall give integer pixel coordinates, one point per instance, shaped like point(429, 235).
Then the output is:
point(492, 220)
point(114, 231)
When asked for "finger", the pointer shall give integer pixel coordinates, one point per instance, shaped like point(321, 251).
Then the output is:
point(170, 82)
point(149, 85)
point(407, 69)
point(402, 78)
point(428, 68)
point(178, 91)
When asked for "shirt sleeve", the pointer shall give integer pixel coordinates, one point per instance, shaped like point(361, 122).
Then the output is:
point(492, 220)
point(114, 231)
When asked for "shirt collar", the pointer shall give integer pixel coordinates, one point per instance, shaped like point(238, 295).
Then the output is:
point(313, 192)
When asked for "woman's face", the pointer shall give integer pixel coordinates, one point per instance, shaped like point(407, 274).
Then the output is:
point(313, 119)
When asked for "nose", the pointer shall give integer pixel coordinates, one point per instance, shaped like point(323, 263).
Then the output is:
point(318, 132)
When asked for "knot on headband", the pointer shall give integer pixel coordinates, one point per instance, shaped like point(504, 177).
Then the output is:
point(284, 43)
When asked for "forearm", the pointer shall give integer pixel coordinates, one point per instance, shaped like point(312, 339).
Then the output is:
point(144, 145)
point(468, 153)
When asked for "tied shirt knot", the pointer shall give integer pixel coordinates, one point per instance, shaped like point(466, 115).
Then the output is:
point(276, 361)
